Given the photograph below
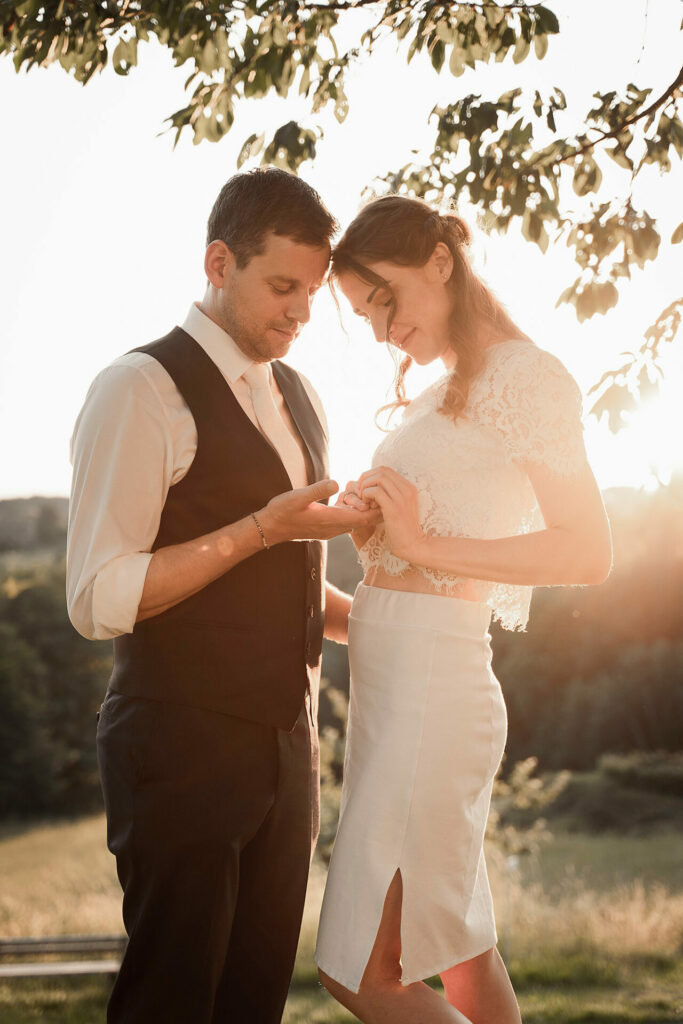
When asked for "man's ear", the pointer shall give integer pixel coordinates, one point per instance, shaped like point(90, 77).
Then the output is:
point(219, 263)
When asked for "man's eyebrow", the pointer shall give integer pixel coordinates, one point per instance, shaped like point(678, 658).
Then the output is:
point(293, 280)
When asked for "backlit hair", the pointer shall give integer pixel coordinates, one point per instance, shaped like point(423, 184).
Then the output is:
point(396, 229)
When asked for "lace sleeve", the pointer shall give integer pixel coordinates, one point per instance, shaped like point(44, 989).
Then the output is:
point(536, 404)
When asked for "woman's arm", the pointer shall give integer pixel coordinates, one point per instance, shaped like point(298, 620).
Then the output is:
point(337, 608)
point(574, 548)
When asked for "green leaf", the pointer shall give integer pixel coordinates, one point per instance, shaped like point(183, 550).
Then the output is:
point(251, 148)
point(540, 46)
point(456, 64)
point(568, 295)
point(125, 55)
point(648, 383)
point(597, 297)
point(614, 402)
point(445, 32)
point(587, 176)
point(279, 34)
point(438, 54)
point(521, 50)
point(480, 26)
point(620, 157)
point(305, 82)
point(548, 21)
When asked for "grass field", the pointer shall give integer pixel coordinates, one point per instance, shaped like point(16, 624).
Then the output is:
point(591, 930)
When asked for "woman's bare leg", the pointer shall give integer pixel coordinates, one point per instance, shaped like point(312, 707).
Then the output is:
point(381, 998)
point(481, 989)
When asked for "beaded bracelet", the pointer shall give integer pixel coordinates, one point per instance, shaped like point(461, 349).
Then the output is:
point(258, 527)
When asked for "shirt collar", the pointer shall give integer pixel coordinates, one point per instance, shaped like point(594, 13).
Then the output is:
point(217, 343)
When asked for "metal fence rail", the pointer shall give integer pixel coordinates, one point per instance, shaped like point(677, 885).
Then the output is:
point(102, 955)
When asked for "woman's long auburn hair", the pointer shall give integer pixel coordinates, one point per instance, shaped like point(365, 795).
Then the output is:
point(405, 231)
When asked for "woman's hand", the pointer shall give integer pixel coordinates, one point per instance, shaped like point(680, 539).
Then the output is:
point(350, 498)
point(397, 500)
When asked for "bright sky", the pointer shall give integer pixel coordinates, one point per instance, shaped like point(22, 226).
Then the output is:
point(104, 225)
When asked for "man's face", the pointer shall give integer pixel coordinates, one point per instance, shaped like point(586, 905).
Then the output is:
point(263, 305)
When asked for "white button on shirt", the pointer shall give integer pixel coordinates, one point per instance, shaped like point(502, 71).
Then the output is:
point(134, 438)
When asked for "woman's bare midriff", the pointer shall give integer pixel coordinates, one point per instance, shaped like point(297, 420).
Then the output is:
point(414, 582)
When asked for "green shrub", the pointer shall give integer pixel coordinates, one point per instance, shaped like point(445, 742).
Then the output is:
point(660, 770)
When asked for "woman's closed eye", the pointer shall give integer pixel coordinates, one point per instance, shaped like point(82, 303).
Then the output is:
point(381, 296)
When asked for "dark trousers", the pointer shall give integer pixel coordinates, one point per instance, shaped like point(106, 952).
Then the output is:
point(213, 821)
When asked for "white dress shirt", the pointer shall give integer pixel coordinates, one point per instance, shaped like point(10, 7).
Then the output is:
point(134, 438)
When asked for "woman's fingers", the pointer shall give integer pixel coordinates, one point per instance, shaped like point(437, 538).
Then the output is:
point(386, 475)
point(389, 486)
point(384, 493)
point(354, 501)
point(351, 496)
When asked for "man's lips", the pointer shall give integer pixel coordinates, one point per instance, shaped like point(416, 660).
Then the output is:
point(287, 333)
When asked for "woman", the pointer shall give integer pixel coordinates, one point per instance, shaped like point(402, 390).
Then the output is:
point(484, 491)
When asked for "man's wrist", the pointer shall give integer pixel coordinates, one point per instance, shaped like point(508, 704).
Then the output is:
point(262, 535)
point(269, 527)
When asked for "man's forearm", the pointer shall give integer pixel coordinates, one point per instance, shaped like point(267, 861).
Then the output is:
point(178, 571)
point(181, 570)
point(337, 608)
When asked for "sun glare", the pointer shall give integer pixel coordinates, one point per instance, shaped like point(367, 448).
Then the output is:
point(647, 451)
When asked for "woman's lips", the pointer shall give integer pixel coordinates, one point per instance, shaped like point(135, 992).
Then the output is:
point(402, 344)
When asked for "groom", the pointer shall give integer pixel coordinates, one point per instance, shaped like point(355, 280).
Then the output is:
point(199, 460)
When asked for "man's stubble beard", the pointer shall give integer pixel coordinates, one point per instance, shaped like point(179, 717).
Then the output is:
point(249, 338)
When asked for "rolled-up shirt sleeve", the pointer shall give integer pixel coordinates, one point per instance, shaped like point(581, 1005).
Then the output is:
point(122, 455)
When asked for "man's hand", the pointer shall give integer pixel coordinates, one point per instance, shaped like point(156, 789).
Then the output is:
point(299, 515)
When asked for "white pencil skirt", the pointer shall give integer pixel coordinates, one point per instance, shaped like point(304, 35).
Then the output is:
point(426, 732)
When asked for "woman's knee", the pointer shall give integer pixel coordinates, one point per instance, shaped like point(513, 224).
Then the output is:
point(479, 966)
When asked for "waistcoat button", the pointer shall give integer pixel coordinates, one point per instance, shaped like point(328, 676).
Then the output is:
point(314, 574)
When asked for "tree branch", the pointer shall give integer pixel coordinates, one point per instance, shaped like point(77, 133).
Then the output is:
point(668, 93)
point(352, 4)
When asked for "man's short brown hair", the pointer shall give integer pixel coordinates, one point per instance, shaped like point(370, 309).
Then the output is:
point(254, 203)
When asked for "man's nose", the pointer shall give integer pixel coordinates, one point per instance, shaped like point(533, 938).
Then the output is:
point(300, 308)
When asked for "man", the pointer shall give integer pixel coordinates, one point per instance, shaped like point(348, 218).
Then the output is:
point(199, 461)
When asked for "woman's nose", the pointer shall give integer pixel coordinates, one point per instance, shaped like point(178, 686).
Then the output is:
point(379, 326)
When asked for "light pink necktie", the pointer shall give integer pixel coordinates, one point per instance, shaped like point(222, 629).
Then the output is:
point(258, 377)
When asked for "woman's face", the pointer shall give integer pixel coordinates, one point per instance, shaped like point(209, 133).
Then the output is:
point(421, 301)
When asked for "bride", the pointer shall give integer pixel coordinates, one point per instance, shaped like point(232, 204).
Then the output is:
point(484, 491)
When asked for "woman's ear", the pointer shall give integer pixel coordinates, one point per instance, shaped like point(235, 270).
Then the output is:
point(442, 261)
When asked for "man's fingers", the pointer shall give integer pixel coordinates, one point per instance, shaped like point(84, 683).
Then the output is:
point(318, 491)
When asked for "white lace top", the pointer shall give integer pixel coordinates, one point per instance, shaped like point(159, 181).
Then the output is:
point(523, 406)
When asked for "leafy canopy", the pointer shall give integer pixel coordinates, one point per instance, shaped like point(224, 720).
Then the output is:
point(510, 156)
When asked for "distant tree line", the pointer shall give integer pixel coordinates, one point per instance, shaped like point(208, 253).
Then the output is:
point(51, 685)
point(600, 670)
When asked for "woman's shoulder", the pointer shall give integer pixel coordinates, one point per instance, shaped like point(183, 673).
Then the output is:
point(521, 364)
point(516, 353)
